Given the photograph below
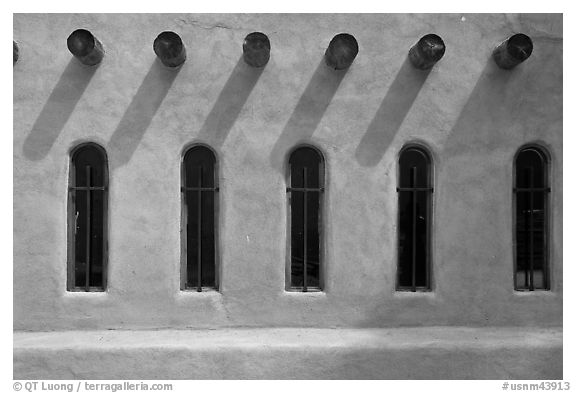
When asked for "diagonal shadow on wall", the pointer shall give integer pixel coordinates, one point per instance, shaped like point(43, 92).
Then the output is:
point(494, 104)
point(57, 109)
point(308, 112)
point(390, 115)
point(229, 103)
point(140, 112)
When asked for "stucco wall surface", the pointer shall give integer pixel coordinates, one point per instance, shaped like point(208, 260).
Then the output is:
point(472, 115)
point(292, 353)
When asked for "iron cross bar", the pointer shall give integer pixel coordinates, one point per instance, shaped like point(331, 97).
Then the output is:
point(200, 189)
point(527, 189)
point(84, 188)
point(415, 189)
point(289, 189)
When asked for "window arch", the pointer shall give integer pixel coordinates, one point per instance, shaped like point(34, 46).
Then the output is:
point(414, 218)
point(199, 204)
point(88, 219)
point(531, 193)
point(305, 197)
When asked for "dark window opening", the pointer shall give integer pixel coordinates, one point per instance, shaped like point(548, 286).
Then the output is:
point(305, 200)
point(199, 213)
point(531, 196)
point(414, 206)
point(87, 210)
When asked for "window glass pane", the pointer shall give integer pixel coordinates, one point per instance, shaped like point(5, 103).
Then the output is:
point(530, 242)
point(89, 156)
point(305, 157)
point(97, 238)
point(414, 168)
point(413, 219)
point(522, 239)
point(297, 236)
point(199, 164)
point(199, 160)
point(421, 238)
point(405, 239)
point(192, 238)
point(313, 239)
point(530, 163)
point(539, 236)
point(305, 172)
point(413, 232)
point(208, 257)
point(88, 220)
point(80, 243)
point(531, 216)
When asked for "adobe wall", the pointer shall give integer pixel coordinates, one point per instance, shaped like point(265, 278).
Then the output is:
point(472, 115)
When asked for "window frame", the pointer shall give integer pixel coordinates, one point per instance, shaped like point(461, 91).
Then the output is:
point(71, 221)
point(184, 221)
point(427, 152)
point(322, 176)
point(547, 171)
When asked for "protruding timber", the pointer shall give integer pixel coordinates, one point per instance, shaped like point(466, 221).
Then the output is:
point(256, 49)
point(85, 47)
point(15, 52)
point(427, 52)
point(341, 52)
point(513, 51)
point(170, 49)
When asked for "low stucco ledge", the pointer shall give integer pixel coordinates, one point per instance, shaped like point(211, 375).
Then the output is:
point(292, 353)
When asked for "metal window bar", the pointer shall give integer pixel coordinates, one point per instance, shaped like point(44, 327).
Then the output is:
point(89, 213)
point(545, 243)
point(305, 272)
point(531, 174)
point(199, 189)
point(413, 190)
point(527, 219)
point(199, 232)
point(305, 189)
point(413, 173)
point(88, 228)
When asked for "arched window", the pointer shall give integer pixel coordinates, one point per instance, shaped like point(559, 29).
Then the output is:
point(306, 179)
point(531, 237)
point(199, 188)
point(87, 219)
point(414, 208)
